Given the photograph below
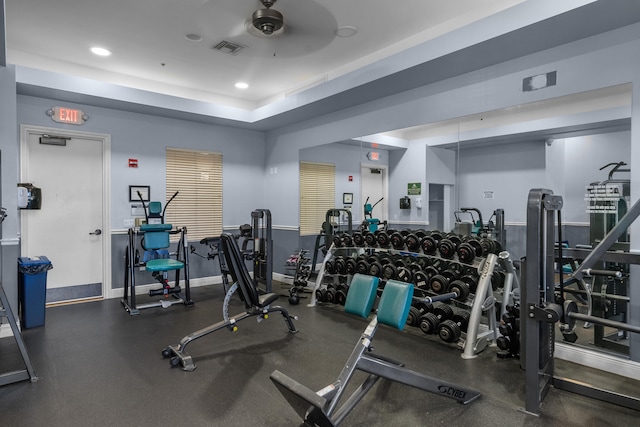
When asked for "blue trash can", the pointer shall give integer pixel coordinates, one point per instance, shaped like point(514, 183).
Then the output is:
point(32, 290)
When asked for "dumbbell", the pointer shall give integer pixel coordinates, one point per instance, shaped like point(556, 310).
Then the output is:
point(383, 239)
point(358, 239)
point(326, 294)
point(370, 239)
point(429, 321)
point(450, 330)
point(469, 249)
point(429, 244)
point(509, 327)
point(460, 288)
point(490, 246)
point(447, 247)
point(412, 241)
point(438, 283)
point(329, 267)
point(396, 239)
point(497, 280)
point(350, 265)
point(375, 267)
point(362, 264)
point(389, 269)
point(341, 294)
point(340, 265)
point(416, 312)
point(404, 274)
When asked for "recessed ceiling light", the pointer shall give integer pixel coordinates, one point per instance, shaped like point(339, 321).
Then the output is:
point(346, 31)
point(193, 37)
point(100, 51)
point(242, 85)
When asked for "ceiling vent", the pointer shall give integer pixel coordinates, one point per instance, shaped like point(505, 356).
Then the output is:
point(228, 47)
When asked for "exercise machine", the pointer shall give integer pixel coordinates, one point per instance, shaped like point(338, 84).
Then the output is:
point(331, 229)
point(324, 408)
point(369, 223)
point(156, 259)
point(215, 251)
point(262, 249)
point(256, 305)
point(544, 304)
point(492, 229)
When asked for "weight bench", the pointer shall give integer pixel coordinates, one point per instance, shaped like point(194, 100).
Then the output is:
point(255, 305)
point(321, 408)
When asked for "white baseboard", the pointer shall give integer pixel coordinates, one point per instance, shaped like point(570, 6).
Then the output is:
point(597, 360)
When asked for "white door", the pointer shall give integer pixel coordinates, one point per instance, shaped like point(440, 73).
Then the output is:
point(70, 228)
point(373, 184)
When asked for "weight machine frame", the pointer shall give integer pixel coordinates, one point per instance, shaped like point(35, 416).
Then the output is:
point(262, 248)
point(540, 310)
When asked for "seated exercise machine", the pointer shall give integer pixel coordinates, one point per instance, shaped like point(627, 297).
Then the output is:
point(321, 408)
point(255, 305)
point(157, 260)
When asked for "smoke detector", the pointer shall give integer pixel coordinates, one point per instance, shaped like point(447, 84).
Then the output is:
point(267, 20)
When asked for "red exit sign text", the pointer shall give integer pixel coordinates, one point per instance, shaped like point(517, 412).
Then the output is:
point(67, 115)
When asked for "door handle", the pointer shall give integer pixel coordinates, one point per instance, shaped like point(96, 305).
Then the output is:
point(97, 232)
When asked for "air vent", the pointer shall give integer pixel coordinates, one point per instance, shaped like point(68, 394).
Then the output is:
point(228, 47)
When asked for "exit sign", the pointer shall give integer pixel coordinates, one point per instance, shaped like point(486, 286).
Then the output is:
point(67, 115)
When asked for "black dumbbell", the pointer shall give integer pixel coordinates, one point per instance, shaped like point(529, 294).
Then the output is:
point(383, 239)
point(438, 283)
point(396, 240)
point(340, 265)
point(351, 265)
point(358, 239)
point(450, 330)
point(375, 267)
point(370, 239)
point(460, 288)
point(447, 248)
point(416, 311)
point(412, 241)
point(362, 265)
point(341, 294)
point(429, 245)
point(330, 267)
point(429, 321)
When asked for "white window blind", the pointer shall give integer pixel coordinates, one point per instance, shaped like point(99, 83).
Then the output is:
point(317, 195)
point(197, 175)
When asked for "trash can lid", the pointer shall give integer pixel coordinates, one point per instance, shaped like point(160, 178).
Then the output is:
point(34, 261)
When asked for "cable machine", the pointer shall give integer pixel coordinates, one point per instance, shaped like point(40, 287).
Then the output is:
point(544, 302)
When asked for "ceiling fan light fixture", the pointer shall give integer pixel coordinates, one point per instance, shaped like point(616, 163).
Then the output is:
point(267, 21)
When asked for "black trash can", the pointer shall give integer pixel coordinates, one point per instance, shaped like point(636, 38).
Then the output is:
point(32, 290)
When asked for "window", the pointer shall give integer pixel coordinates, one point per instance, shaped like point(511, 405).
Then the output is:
point(197, 175)
point(317, 195)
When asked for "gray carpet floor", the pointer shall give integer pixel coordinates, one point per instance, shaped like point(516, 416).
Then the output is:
point(98, 366)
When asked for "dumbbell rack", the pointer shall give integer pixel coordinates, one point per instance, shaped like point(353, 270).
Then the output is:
point(478, 335)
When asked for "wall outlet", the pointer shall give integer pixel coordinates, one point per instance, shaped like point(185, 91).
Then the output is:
point(128, 223)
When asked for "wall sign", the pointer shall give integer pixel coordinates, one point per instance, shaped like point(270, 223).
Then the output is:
point(71, 116)
point(414, 188)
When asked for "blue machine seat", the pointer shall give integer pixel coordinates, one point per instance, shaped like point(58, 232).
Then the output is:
point(362, 294)
point(165, 264)
point(395, 302)
point(156, 239)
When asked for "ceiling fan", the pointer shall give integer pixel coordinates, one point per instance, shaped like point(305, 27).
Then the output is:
point(267, 20)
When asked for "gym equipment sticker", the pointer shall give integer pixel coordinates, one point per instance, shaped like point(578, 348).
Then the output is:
point(602, 198)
